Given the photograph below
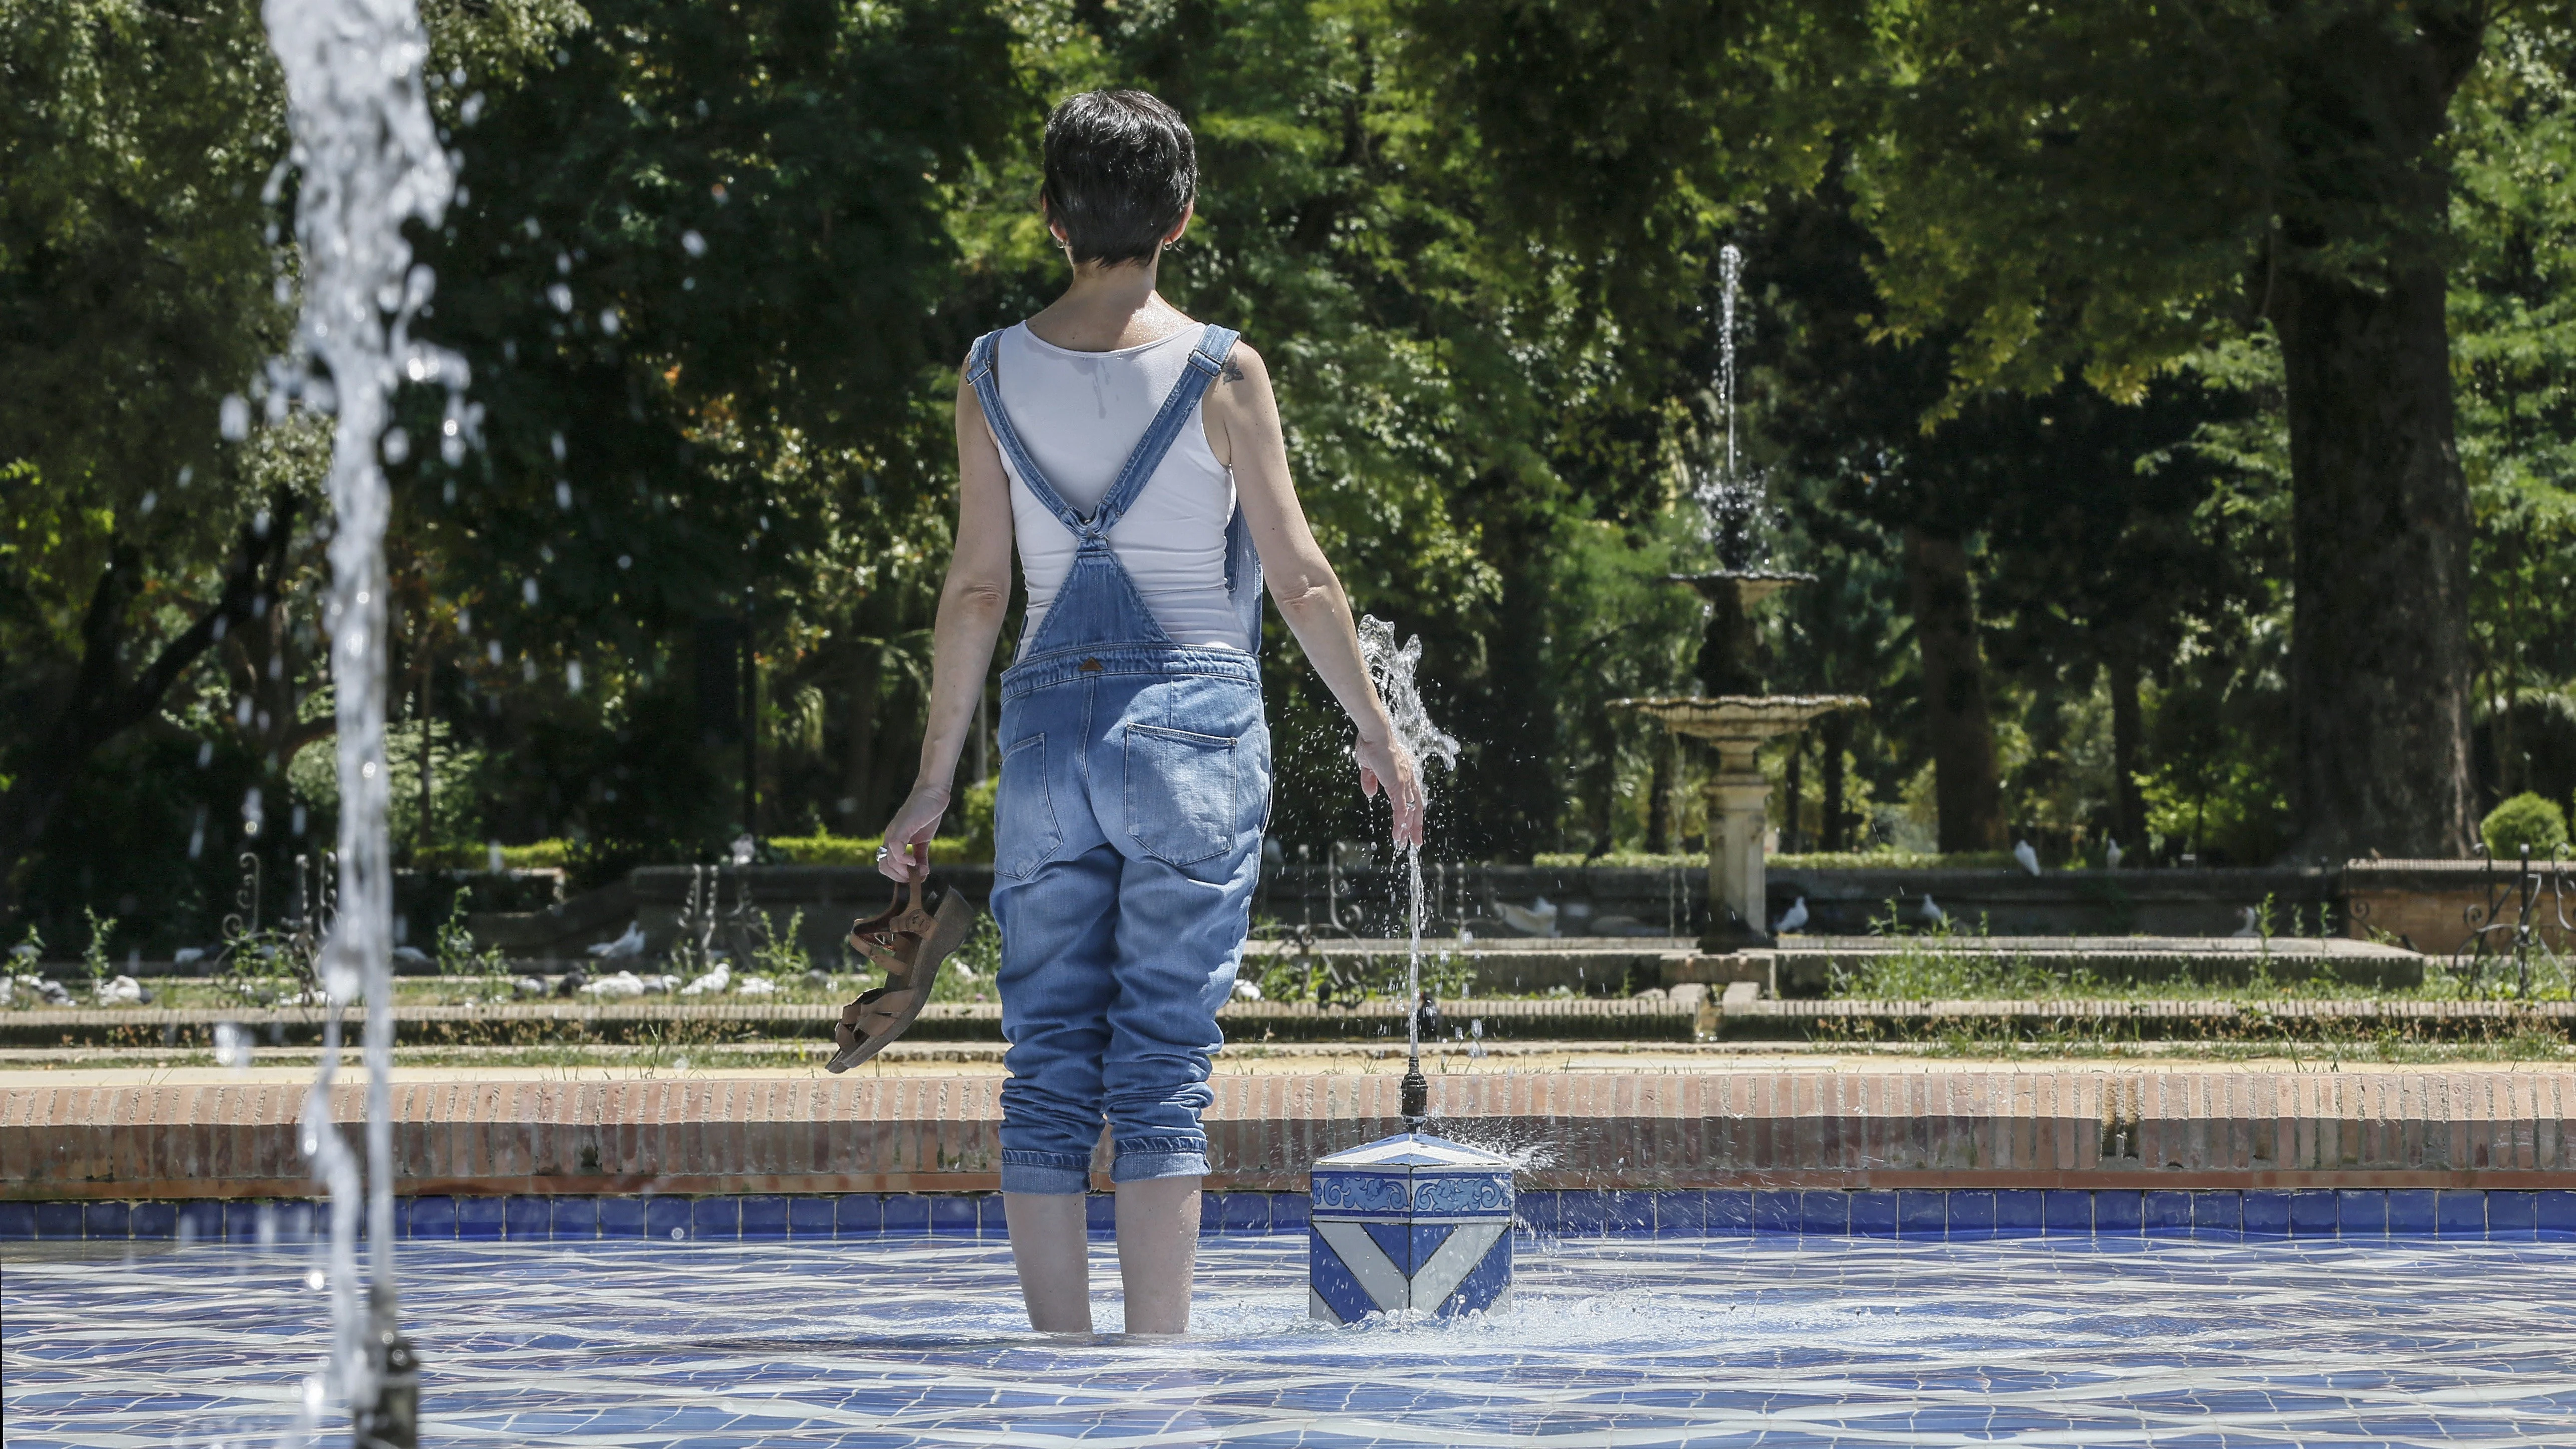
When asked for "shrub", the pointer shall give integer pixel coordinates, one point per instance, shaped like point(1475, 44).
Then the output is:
point(2526, 819)
point(825, 848)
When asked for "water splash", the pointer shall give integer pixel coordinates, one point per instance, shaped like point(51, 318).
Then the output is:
point(1734, 503)
point(1730, 274)
point(368, 159)
point(1393, 669)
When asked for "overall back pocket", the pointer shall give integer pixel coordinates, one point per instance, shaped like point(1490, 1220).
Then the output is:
point(1025, 835)
point(1180, 793)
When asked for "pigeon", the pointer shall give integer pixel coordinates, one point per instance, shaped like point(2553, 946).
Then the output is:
point(571, 982)
point(1246, 990)
point(413, 957)
point(187, 955)
point(714, 981)
point(24, 954)
point(625, 947)
point(1535, 920)
point(1793, 919)
point(123, 989)
point(743, 847)
point(1427, 1022)
point(624, 983)
point(664, 982)
point(1931, 914)
point(2249, 930)
point(755, 986)
point(529, 986)
point(50, 991)
point(2111, 854)
point(2028, 857)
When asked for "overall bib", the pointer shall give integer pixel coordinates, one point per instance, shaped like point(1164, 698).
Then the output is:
point(1126, 837)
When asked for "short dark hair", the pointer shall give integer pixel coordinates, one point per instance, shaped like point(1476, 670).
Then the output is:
point(1120, 172)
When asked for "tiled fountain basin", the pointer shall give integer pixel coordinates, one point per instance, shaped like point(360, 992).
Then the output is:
point(919, 1343)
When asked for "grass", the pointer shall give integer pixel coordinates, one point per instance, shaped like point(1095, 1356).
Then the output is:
point(1955, 962)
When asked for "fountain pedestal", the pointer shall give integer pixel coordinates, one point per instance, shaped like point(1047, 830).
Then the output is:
point(1739, 798)
point(1410, 1223)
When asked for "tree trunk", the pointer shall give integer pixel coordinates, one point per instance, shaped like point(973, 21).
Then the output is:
point(1795, 782)
point(859, 777)
point(2128, 804)
point(1837, 829)
point(2379, 638)
point(1955, 712)
point(423, 837)
point(1659, 799)
point(1601, 789)
point(2379, 624)
point(103, 704)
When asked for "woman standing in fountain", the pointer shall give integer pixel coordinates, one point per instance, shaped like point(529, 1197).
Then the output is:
point(1136, 458)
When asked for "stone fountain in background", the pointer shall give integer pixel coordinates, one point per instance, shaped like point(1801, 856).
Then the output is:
point(1737, 714)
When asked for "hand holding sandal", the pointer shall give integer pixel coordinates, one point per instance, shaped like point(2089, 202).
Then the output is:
point(910, 943)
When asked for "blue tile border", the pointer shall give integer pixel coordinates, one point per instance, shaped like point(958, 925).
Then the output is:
point(1958, 1213)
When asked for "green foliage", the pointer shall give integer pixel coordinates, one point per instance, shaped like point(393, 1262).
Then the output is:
point(456, 953)
point(94, 959)
point(1809, 860)
point(2526, 821)
point(716, 266)
point(782, 954)
point(824, 848)
point(454, 806)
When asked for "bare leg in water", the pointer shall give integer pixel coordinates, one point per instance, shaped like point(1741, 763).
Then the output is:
point(1158, 1243)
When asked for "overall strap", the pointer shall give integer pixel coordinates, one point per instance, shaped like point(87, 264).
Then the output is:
point(1207, 360)
point(988, 391)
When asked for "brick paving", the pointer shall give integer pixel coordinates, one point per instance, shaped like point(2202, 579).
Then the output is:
point(1868, 1128)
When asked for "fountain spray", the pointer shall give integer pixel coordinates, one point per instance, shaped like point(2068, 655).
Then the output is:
point(1411, 1224)
point(367, 159)
point(1393, 669)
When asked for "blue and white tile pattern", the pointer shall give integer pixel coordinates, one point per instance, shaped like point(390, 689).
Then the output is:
point(1775, 1341)
point(1409, 1224)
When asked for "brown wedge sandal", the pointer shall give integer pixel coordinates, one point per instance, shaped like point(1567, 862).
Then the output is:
point(909, 942)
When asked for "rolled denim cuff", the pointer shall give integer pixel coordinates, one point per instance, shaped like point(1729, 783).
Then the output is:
point(1144, 1159)
point(1045, 1173)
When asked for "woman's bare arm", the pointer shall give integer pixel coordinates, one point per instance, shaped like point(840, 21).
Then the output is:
point(972, 604)
point(1244, 429)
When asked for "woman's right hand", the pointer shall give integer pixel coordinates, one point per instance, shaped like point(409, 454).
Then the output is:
point(908, 834)
point(1386, 764)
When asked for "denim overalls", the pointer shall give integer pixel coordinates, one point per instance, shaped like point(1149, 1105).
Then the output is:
point(1126, 838)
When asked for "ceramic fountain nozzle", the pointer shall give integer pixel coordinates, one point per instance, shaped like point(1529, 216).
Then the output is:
point(392, 1420)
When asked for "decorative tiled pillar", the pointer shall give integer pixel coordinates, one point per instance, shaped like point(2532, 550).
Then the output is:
point(1409, 1223)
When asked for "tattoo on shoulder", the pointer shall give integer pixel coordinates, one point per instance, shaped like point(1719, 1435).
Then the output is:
point(1233, 371)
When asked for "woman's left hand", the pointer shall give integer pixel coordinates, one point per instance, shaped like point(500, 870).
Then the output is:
point(908, 834)
point(1386, 764)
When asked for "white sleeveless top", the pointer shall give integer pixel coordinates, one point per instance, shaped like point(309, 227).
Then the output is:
point(1080, 414)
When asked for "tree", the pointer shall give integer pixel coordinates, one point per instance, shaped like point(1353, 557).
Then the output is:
point(2108, 188)
point(136, 293)
point(699, 281)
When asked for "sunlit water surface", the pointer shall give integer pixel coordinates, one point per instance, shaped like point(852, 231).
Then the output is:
point(1618, 1342)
